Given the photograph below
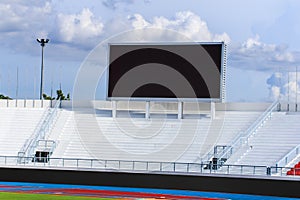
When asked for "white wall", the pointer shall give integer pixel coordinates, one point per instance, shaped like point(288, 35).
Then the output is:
point(188, 107)
point(27, 103)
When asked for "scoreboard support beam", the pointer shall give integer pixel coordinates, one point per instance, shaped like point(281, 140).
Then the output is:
point(147, 113)
point(114, 109)
point(212, 110)
point(180, 110)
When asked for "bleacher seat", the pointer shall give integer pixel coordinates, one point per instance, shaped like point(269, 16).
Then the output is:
point(271, 142)
point(140, 137)
point(16, 125)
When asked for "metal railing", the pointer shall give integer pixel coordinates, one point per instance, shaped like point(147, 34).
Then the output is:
point(146, 166)
point(243, 137)
point(289, 157)
point(46, 145)
point(39, 133)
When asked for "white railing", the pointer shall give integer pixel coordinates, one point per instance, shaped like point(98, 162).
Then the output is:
point(43, 127)
point(46, 145)
point(146, 166)
point(243, 137)
point(289, 157)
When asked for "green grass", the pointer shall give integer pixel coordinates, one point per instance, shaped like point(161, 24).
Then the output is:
point(26, 196)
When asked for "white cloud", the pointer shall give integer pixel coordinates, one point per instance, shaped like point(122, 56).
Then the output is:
point(113, 4)
point(285, 56)
point(22, 22)
point(284, 86)
point(138, 21)
point(186, 23)
point(78, 28)
point(256, 55)
point(22, 15)
point(84, 30)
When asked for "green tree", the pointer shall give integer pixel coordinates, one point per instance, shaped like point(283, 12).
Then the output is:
point(46, 97)
point(61, 96)
point(4, 97)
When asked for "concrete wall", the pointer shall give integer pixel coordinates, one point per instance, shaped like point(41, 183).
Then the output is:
point(26, 103)
point(155, 107)
point(171, 107)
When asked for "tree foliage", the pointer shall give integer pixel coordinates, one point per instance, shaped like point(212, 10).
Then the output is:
point(46, 97)
point(59, 95)
point(4, 97)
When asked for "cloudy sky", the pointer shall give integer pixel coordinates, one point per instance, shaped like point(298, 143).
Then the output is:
point(263, 40)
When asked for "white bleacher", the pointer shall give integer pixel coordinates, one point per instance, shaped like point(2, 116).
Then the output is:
point(234, 123)
point(222, 130)
point(157, 139)
point(271, 142)
point(16, 125)
point(64, 132)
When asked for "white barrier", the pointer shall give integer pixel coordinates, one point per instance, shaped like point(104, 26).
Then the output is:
point(25, 103)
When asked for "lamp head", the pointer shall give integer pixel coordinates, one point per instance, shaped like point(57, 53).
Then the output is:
point(42, 41)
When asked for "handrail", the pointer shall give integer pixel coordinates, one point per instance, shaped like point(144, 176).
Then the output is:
point(149, 166)
point(39, 133)
point(288, 157)
point(244, 136)
point(46, 144)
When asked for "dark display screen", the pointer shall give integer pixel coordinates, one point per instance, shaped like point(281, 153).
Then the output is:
point(165, 70)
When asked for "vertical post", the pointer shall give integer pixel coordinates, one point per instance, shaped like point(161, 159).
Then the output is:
point(42, 42)
point(288, 97)
point(147, 114)
point(180, 110)
point(51, 93)
point(42, 74)
point(17, 87)
point(212, 110)
point(114, 109)
point(296, 106)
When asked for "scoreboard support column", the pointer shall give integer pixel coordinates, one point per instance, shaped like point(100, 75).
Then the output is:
point(180, 110)
point(212, 110)
point(114, 109)
point(147, 114)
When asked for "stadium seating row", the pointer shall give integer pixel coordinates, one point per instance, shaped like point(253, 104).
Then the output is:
point(295, 171)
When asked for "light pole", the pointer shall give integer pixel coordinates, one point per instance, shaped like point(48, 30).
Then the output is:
point(42, 42)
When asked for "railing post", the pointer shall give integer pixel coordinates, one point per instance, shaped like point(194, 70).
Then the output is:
point(174, 166)
point(268, 171)
point(201, 167)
